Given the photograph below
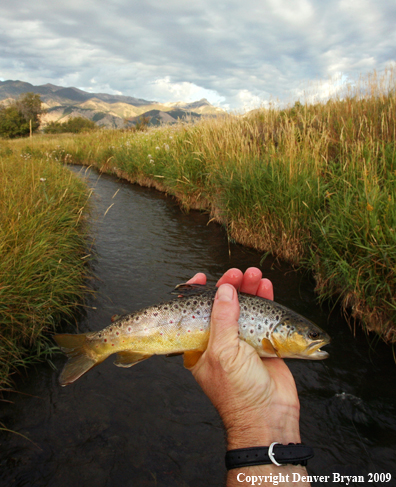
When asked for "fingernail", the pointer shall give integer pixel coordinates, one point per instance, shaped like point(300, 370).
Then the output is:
point(225, 292)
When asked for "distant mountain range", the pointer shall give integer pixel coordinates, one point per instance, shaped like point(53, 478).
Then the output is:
point(112, 111)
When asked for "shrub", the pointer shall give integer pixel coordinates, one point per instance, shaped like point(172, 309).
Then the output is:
point(74, 125)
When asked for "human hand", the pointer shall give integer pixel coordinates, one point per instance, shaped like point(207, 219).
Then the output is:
point(255, 397)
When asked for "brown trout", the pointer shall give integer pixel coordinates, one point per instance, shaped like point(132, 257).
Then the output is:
point(182, 326)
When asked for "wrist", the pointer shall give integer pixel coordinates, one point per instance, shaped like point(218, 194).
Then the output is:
point(255, 429)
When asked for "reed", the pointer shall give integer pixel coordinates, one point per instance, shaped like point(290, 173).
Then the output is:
point(313, 184)
point(42, 246)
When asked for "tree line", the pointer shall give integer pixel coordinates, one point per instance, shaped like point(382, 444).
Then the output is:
point(22, 117)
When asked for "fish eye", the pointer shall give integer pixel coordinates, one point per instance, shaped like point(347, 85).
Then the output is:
point(313, 334)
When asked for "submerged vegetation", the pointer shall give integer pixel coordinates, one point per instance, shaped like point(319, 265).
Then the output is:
point(314, 184)
point(42, 254)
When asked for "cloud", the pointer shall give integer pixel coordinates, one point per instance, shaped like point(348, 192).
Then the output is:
point(236, 54)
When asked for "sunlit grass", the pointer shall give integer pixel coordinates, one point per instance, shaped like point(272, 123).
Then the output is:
point(42, 243)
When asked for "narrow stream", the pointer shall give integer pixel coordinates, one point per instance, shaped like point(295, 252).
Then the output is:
point(151, 425)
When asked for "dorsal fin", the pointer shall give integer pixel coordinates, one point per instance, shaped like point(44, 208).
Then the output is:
point(187, 289)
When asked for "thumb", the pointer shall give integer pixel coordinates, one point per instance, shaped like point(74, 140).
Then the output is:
point(224, 319)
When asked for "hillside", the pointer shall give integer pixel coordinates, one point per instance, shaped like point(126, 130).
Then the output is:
point(112, 111)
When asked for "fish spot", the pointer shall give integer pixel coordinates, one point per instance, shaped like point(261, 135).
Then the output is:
point(252, 331)
point(267, 334)
point(176, 306)
point(105, 340)
point(100, 335)
point(161, 333)
point(112, 344)
point(129, 329)
point(245, 308)
point(165, 307)
point(137, 318)
point(259, 327)
point(117, 333)
point(259, 340)
point(277, 317)
point(198, 312)
point(201, 303)
point(195, 302)
point(239, 332)
point(111, 329)
point(193, 316)
point(252, 318)
point(244, 327)
point(155, 314)
point(189, 331)
point(184, 311)
point(170, 322)
point(145, 312)
point(201, 329)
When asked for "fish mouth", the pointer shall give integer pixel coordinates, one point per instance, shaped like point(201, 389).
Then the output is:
point(314, 349)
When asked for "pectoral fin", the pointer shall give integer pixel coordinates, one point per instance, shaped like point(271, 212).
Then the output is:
point(268, 347)
point(128, 358)
point(191, 358)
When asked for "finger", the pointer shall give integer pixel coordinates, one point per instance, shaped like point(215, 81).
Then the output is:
point(265, 289)
point(199, 278)
point(251, 280)
point(232, 276)
point(224, 319)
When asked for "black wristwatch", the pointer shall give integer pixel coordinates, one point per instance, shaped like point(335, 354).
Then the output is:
point(277, 454)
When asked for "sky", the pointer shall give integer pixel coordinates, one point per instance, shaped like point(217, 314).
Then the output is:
point(238, 54)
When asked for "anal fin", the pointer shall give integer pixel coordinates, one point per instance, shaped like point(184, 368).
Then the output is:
point(129, 358)
point(191, 358)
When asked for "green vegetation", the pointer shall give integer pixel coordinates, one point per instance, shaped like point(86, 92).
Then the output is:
point(74, 125)
point(22, 117)
point(42, 249)
point(314, 184)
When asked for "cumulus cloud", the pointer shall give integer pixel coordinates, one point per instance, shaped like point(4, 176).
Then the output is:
point(235, 54)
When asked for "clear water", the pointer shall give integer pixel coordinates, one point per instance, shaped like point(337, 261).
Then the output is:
point(151, 425)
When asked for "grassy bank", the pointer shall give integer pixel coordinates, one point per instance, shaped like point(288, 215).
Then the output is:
point(41, 254)
point(314, 184)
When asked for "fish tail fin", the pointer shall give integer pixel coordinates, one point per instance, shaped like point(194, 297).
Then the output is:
point(80, 360)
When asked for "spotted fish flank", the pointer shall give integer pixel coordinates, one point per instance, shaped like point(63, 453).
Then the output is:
point(182, 326)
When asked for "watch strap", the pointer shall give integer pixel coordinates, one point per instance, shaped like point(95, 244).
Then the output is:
point(293, 453)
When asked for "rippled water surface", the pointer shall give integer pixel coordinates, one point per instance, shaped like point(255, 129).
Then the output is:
point(151, 425)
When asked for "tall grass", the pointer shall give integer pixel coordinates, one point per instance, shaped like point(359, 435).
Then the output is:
point(314, 184)
point(41, 254)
